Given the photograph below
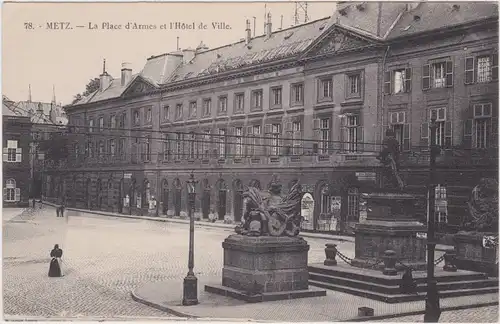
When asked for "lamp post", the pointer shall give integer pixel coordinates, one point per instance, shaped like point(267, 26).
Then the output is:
point(190, 296)
point(432, 310)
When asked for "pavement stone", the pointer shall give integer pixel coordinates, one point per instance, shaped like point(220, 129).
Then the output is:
point(470, 315)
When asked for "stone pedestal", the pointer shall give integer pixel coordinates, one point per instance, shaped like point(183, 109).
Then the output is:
point(265, 268)
point(390, 225)
point(471, 255)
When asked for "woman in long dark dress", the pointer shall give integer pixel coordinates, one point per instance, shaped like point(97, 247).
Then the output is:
point(55, 269)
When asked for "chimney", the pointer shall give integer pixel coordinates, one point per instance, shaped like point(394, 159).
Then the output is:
point(187, 55)
point(105, 78)
point(269, 25)
point(248, 31)
point(126, 73)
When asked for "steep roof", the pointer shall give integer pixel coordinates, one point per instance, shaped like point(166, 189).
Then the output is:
point(38, 112)
point(280, 45)
point(428, 16)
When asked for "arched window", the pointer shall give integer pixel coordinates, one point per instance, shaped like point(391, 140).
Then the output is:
point(10, 192)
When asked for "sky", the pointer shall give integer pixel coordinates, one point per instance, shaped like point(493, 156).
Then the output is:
point(33, 54)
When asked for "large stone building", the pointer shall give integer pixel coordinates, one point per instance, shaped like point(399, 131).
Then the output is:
point(308, 103)
point(16, 163)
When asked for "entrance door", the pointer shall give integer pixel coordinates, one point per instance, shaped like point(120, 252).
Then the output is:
point(238, 205)
point(165, 200)
point(205, 204)
point(222, 204)
point(177, 202)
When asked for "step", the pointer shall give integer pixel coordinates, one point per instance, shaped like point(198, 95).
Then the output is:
point(376, 276)
point(400, 298)
point(394, 289)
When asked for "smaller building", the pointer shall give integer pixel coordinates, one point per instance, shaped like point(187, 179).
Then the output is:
point(17, 180)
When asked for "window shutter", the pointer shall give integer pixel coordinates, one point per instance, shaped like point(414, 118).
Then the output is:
point(359, 138)
point(393, 118)
point(447, 135)
point(449, 73)
point(387, 82)
point(469, 70)
point(4, 194)
point(406, 137)
point(316, 123)
point(17, 192)
point(5, 154)
point(424, 135)
point(426, 77)
point(494, 132)
point(467, 140)
point(19, 154)
point(494, 67)
point(408, 80)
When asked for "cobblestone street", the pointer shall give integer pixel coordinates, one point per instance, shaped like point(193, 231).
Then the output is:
point(470, 315)
point(104, 259)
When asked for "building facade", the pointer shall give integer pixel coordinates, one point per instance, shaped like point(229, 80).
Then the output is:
point(309, 104)
point(16, 162)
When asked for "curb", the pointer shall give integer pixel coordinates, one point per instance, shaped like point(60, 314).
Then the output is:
point(355, 319)
point(206, 224)
point(420, 312)
point(178, 221)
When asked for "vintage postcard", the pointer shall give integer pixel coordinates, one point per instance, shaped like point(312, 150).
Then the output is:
point(250, 161)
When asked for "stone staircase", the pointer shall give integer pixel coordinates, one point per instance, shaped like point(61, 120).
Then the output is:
point(374, 285)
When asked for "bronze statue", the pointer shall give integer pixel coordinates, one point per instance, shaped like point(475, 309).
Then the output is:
point(276, 216)
point(389, 157)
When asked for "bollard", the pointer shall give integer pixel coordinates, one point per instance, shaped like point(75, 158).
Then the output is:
point(449, 261)
point(331, 253)
point(389, 263)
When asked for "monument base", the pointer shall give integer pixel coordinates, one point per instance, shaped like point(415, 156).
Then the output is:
point(265, 268)
point(473, 256)
point(373, 237)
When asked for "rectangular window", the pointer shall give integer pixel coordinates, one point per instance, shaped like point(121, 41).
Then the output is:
point(352, 133)
point(325, 89)
point(123, 120)
point(223, 104)
point(166, 147)
point(256, 132)
point(484, 69)
point(137, 117)
point(353, 204)
point(147, 149)
point(121, 147)
point(401, 81)
point(178, 146)
point(437, 75)
point(483, 130)
point(149, 115)
point(441, 208)
point(10, 194)
point(191, 146)
point(206, 144)
point(91, 125)
point(112, 122)
point(239, 102)
point(12, 153)
point(354, 85)
point(443, 130)
point(275, 139)
point(207, 107)
point(238, 147)
point(166, 112)
point(101, 123)
point(112, 147)
point(76, 150)
point(298, 94)
point(276, 97)
point(257, 100)
point(222, 143)
point(296, 138)
point(178, 112)
point(193, 109)
point(324, 135)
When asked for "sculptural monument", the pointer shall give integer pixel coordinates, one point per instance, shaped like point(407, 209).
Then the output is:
point(391, 223)
point(266, 259)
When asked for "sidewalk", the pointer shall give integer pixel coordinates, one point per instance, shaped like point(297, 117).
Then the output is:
point(335, 306)
point(10, 213)
point(333, 237)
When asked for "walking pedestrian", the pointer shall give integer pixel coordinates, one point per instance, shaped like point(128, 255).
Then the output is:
point(55, 268)
point(63, 206)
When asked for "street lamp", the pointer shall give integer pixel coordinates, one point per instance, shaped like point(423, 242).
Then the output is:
point(432, 310)
point(190, 296)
